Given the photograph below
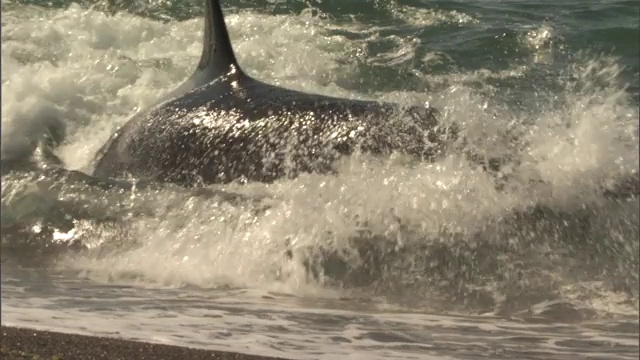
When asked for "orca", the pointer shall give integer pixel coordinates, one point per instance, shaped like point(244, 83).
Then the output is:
point(222, 125)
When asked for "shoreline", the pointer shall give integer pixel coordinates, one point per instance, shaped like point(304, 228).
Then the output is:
point(24, 343)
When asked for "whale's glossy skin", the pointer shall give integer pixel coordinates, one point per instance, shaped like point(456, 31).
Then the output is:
point(237, 127)
point(229, 126)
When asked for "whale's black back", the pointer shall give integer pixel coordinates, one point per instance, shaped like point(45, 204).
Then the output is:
point(230, 126)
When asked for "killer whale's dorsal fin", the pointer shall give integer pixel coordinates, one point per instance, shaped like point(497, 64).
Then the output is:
point(217, 57)
point(217, 53)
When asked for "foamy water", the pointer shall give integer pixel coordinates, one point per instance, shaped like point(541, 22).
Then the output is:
point(272, 324)
point(389, 259)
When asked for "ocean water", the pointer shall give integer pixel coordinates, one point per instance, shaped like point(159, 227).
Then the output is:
point(389, 259)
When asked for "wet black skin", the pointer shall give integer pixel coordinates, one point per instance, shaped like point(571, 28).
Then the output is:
point(222, 125)
point(239, 128)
